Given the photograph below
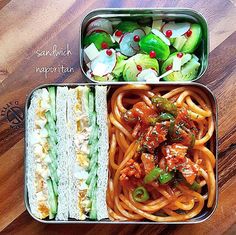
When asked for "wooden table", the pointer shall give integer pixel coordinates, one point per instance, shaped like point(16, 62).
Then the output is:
point(29, 27)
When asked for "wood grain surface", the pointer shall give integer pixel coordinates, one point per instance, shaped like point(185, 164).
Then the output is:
point(30, 26)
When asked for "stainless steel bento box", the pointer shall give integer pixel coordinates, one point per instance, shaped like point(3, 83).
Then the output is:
point(204, 215)
point(145, 15)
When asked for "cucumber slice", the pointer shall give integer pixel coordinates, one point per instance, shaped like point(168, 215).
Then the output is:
point(93, 119)
point(179, 42)
point(93, 161)
point(194, 40)
point(86, 91)
point(52, 143)
point(92, 173)
point(93, 211)
point(55, 164)
point(92, 186)
point(51, 215)
point(52, 154)
point(93, 148)
point(51, 133)
point(52, 200)
point(55, 187)
point(53, 148)
point(53, 172)
point(52, 94)
point(91, 102)
point(50, 121)
point(94, 135)
point(54, 177)
point(190, 70)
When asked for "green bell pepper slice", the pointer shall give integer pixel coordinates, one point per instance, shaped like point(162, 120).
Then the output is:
point(140, 194)
point(165, 105)
point(153, 175)
point(166, 177)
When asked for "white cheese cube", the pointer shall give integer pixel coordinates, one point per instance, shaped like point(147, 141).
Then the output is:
point(91, 51)
point(176, 64)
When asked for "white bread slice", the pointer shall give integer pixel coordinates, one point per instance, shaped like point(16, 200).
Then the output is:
point(30, 160)
point(71, 102)
point(30, 157)
point(62, 153)
point(103, 145)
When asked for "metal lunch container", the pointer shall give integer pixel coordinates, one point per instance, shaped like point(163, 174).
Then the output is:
point(205, 213)
point(145, 15)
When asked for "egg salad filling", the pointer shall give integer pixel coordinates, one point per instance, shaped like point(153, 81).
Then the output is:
point(85, 159)
point(44, 149)
point(82, 152)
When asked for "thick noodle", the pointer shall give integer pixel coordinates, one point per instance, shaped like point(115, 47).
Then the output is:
point(179, 202)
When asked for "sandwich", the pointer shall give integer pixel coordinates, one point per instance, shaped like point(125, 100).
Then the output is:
point(67, 153)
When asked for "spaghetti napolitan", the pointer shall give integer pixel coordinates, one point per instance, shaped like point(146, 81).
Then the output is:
point(161, 165)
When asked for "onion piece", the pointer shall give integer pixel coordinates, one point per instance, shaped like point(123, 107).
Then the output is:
point(147, 75)
point(140, 33)
point(100, 23)
point(177, 29)
point(128, 46)
point(103, 64)
point(125, 45)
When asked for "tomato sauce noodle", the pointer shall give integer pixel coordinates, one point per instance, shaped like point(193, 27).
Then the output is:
point(161, 167)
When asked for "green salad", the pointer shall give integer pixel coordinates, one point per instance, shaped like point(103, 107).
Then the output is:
point(129, 51)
